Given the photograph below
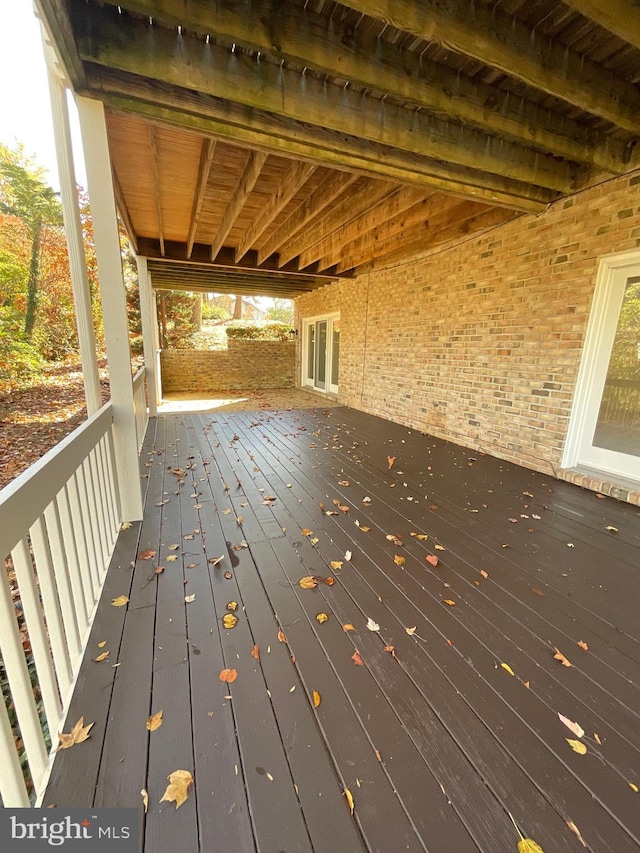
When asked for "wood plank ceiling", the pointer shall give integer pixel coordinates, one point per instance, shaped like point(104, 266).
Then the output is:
point(272, 145)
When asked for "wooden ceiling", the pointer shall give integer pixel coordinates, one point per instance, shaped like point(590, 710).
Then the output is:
point(275, 144)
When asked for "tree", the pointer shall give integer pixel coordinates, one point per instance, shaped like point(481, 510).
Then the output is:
point(24, 194)
point(237, 308)
point(281, 311)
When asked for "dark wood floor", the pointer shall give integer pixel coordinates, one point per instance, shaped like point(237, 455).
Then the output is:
point(446, 724)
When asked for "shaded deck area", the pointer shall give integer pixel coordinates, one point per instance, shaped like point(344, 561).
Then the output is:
point(456, 579)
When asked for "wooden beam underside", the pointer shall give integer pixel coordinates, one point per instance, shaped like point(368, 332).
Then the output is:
point(621, 17)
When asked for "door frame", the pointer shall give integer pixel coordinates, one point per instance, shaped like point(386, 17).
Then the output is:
point(306, 382)
point(613, 272)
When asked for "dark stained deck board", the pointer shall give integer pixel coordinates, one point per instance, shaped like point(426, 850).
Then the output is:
point(440, 713)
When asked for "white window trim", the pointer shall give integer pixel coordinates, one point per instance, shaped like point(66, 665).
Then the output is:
point(304, 380)
point(603, 319)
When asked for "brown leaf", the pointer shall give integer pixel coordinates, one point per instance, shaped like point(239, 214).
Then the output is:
point(336, 564)
point(537, 590)
point(306, 532)
point(155, 721)
point(583, 645)
point(102, 657)
point(449, 601)
point(348, 627)
point(180, 781)
point(281, 637)
point(574, 727)
point(215, 560)
point(357, 659)
point(159, 570)
point(102, 644)
point(559, 656)
point(145, 800)
point(484, 574)
point(575, 830)
point(399, 560)
point(390, 461)
point(329, 581)
point(149, 554)
point(432, 559)
point(255, 653)
point(78, 734)
point(228, 675)
point(308, 582)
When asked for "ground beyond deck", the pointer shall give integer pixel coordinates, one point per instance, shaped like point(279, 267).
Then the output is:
point(430, 693)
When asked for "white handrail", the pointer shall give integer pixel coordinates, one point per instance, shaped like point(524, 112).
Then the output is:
point(59, 522)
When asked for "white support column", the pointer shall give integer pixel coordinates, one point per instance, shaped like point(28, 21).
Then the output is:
point(114, 308)
point(149, 334)
point(75, 244)
point(156, 343)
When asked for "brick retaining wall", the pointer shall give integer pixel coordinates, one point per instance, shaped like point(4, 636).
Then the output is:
point(244, 365)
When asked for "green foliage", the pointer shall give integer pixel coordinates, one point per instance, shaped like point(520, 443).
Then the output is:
point(214, 312)
point(250, 331)
point(625, 357)
point(176, 318)
point(20, 361)
point(281, 311)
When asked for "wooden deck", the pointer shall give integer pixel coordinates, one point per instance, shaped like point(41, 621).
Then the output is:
point(444, 724)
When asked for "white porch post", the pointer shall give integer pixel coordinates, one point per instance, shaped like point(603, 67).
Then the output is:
point(149, 334)
point(114, 308)
point(75, 244)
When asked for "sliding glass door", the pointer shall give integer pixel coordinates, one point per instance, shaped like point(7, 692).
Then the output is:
point(321, 353)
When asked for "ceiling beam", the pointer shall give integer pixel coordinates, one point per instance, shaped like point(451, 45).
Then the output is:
point(57, 23)
point(499, 41)
point(401, 200)
point(206, 158)
point(297, 175)
point(307, 39)
point(153, 52)
point(621, 17)
point(255, 162)
point(156, 184)
point(333, 185)
point(216, 284)
point(348, 208)
point(123, 210)
point(252, 128)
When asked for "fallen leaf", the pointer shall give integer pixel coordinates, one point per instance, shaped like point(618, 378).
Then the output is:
point(528, 845)
point(484, 574)
point(308, 582)
point(390, 461)
point(149, 554)
point(612, 529)
point(336, 564)
point(102, 644)
point(577, 832)
point(347, 794)
point(228, 675)
point(154, 722)
point(399, 560)
point(329, 581)
point(357, 659)
point(449, 601)
point(228, 575)
point(126, 525)
point(577, 746)
point(306, 532)
point(231, 606)
point(537, 590)
point(120, 601)
point(583, 645)
point(255, 653)
point(372, 626)
point(411, 631)
point(178, 788)
point(215, 560)
point(364, 529)
point(439, 547)
point(574, 727)
point(145, 800)
point(390, 649)
point(281, 637)
point(321, 617)
point(159, 570)
point(78, 734)
point(316, 698)
point(229, 620)
point(343, 482)
point(596, 737)
point(432, 559)
point(635, 787)
point(508, 668)
point(102, 657)
point(314, 540)
point(190, 598)
point(559, 656)
point(171, 558)
point(348, 627)
point(347, 556)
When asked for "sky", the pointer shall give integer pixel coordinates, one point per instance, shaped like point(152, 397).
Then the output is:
point(25, 113)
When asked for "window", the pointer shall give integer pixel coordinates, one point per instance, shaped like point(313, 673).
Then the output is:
point(321, 353)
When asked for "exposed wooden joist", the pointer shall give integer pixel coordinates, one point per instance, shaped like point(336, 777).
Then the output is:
point(307, 39)
point(621, 17)
point(348, 208)
point(500, 41)
point(156, 184)
point(333, 186)
point(296, 176)
point(152, 52)
point(57, 23)
point(206, 158)
point(255, 162)
point(123, 210)
point(256, 129)
point(243, 288)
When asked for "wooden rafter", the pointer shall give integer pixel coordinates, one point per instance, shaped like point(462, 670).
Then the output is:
point(255, 129)
point(497, 40)
point(621, 17)
point(255, 162)
point(123, 210)
point(357, 56)
point(296, 177)
point(204, 167)
point(156, 183)
point(262, 85)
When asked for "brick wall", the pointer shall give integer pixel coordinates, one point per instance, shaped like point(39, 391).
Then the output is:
point(480, 342)
point(244, 365)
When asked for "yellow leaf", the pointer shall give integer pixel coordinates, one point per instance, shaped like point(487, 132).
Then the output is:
point(508, 668)
point(102, 644)
point(306, 531)
point(321, 617)
point(364, 529)
point(399, 560)
point(559, 656)
point(229, 620)
point(596, 737)
point(347, 794)
point(308, 582)
point(528, 845)
point(583, 645)
point(316, 698)
point(423, 536)
point(78, 734)
point(577, 746)
point(171, 558)
point(145, 800)
point(232, 606)
point(120, 601)
point(336, 564)
point(439, 547)
point(178, 788)
point(154, 722)
point(449, 601)
point(348, 627)
point(314, 540)
point(635, 787)
point(102, 657)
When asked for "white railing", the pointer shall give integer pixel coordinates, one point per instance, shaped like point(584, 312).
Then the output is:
point(140, 405)
point(59, 521)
